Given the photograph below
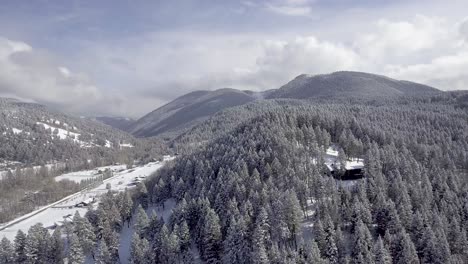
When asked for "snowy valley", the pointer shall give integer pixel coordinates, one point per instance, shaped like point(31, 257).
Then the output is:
point(54, 215)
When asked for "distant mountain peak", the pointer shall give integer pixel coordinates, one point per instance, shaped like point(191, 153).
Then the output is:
point(188, 109)
point(348, 84)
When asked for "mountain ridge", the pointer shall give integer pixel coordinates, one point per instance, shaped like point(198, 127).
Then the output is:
point(348, 84)
point(181, 112)
point(186, 110)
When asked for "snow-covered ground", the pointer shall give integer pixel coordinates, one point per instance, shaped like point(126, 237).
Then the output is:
point(89, 174)
point(62, 133)
point(67, 134)
point(16, 130)
point(55, 213)
point(126, 145)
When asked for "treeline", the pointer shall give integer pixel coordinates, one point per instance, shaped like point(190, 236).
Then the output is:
point(24, 190)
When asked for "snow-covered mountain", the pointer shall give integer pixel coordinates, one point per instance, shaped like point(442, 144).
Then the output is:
point(188, 110)
point(32, 133)
point(348, 84)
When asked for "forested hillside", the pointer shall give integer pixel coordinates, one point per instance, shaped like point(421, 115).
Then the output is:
point(122, 123)
point(31, 133)
point(251, 186)
point(348, 84)
point(247, 196)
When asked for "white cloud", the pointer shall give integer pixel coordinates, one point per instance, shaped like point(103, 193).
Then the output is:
point(446, 72)
point(307, 54)
point(164, 66)
point(463, 29)
point(425, 49)
point(290, 7)
point(64, 71)
point(405, 40)
point(145, 71)
point(290, 10)
point(32, 74)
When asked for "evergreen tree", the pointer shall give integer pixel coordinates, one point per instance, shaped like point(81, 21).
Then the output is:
point(125, 207)
point(341, 245)
point(102, 255)
point(331, 250)
point(56, 247)
point(235, 245)
point(139, 250)
point(443, 246)
point(259, 238)
point(143, 196)
point(211, 238)
point(429, 247)
point(274, 255)
point(75, 251)
point(142, 221)
point(6, 252)
point(292, 215)
point(381, 254)
point(36, 245)
point(155, 225)
point(111, 238)
point(433, 249)
point(183, 233)
point(169, 246)
point(20, 244)
point(362, 245)
point(406, 252)
point(320, 237)
point(312, 255)
point(84, 231)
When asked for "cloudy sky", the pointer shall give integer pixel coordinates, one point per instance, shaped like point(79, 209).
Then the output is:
point(125, 58)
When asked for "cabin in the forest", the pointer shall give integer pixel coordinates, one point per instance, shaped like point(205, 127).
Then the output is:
point(353, 168)
point(350, 173)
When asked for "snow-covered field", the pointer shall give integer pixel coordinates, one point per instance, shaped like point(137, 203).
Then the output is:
point(62, 133)
point(89, 174)
point(54, 214)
